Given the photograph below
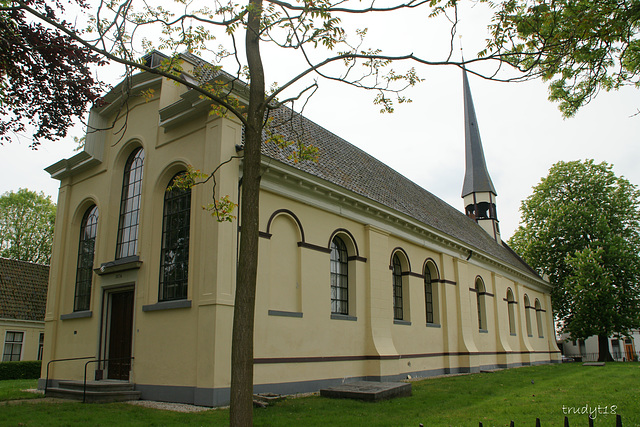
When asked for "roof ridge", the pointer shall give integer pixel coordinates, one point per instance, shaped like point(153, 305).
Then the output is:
point(23, 261)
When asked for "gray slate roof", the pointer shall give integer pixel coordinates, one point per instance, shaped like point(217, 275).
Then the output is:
point(23, 290)
point(347, 166)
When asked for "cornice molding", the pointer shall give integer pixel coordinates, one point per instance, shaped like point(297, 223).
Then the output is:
point(283, 179)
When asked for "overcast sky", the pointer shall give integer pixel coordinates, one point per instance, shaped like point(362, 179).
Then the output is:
point(523, 134)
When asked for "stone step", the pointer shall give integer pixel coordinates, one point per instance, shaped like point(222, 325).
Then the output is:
point(368, 390)
point(96, 391)
point(104, 385)
point(94, 396)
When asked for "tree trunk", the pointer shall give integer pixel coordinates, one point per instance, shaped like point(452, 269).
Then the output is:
point(603, 349)
point(241, 411)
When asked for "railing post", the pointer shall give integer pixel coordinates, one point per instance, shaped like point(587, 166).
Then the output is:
point(84, 384)
point(46, 380)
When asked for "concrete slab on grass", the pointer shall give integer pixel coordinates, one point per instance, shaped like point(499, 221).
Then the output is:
point(368, 390)
point(593, 364)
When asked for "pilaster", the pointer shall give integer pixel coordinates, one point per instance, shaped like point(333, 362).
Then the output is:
point(379, 296)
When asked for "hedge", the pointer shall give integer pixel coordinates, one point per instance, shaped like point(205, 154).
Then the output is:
point(29, 369)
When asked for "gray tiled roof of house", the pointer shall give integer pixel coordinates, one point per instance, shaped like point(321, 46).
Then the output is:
point(347, 166)
point(23, 290)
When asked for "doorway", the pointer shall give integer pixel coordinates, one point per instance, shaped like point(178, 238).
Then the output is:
point(628, 349)
point(120, 335)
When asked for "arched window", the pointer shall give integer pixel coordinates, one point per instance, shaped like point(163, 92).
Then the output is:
point(174, 256)
point(397, 289)
point(539, 318)
point(428, 295)
point(480, 294)
point(86, 251)
point(511, 302)
point(431, 292)
point(130, 205)
point(339, 277)
point(527, 314)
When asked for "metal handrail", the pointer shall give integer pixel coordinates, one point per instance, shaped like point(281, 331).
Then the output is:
point(46, 383)
point(84, 385)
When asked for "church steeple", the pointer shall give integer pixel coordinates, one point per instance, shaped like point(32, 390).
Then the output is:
point(478, 192)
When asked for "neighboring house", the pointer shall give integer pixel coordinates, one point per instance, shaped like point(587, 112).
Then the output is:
point(362, 273)
point(621, 348)
point(23, 295)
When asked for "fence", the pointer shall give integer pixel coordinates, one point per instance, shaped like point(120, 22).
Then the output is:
point(593, 357)
point(566, 422)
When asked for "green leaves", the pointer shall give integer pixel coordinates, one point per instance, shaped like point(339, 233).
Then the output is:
point(27, 219)
point(581, 228)
point(581, 46)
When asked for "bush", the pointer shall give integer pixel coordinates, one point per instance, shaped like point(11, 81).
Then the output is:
point(29, 369)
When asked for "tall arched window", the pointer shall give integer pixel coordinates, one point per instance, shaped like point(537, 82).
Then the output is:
point(480, 294)
point(130, 205)
point(174, 256)
point(339, 277)
point(527, 314)
point(539, 318)
point(428, 295)
point(397, 289)
point(511, 302)
point(86, 251)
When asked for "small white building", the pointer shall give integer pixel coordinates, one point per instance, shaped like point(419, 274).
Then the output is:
point(621, 348)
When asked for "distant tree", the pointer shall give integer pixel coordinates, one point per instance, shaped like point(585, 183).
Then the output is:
point(26, 226)
point(45, 79)
point(581, 46)
point(581, 228)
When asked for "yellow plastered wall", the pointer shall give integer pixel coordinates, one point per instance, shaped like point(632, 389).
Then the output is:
point(297, 339)
point(31, 331)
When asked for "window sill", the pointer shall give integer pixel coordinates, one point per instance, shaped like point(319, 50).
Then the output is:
point(531, 336)
point(514, 335)
point(167, 305)
point(401, 322)
point(122, 264)
point(77, 315)
point(285, 313)
point(483, 331)
point(337, 316)
point(433, 325)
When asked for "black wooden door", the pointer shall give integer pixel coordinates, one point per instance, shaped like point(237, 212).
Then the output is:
point(120, 335)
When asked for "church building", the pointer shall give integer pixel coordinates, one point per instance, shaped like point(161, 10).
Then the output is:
point(362, 273)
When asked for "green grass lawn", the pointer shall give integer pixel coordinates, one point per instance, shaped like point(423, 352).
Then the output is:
point(12, 389)
point(548, 392)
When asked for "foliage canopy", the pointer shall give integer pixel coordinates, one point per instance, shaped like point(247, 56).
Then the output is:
point(45, 76)
point(580, 46)
point(26, 226)
point(581, 228)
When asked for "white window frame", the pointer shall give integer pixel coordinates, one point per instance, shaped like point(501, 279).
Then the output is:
point(12, 343)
